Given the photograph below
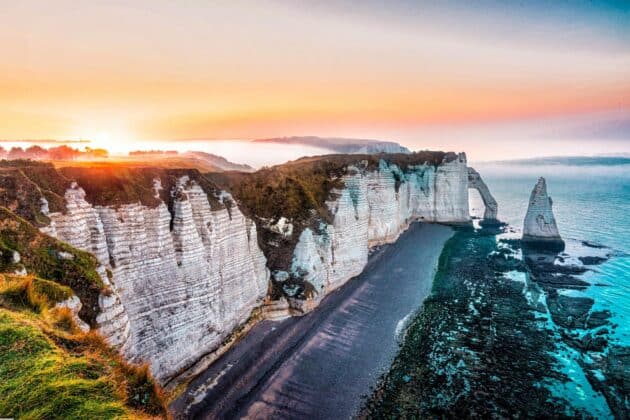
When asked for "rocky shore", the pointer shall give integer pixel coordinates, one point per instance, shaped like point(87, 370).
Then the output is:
point(504, 333)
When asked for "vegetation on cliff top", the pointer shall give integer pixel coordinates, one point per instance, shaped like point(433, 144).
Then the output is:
point(294, 189)
point(22, 185)
point(115, 185)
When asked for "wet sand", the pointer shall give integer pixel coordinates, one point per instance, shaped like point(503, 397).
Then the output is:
point(319, 366)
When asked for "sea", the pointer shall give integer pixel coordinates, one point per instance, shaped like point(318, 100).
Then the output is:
point(591, 202)
point(489, 340)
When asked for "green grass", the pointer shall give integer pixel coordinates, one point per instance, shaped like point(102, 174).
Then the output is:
point(39, 380)
point(50, 369)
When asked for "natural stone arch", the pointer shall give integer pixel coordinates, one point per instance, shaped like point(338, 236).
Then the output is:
point(475, 182)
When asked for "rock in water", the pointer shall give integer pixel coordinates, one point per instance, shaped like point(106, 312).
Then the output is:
point(540, 229)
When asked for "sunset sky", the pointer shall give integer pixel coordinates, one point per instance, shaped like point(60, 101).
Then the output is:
point(493, 78)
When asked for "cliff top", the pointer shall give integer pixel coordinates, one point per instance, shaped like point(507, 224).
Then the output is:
point(23, 183)
point(119, 185)
point(298, 190)
point(295, 188)
point(403, 160)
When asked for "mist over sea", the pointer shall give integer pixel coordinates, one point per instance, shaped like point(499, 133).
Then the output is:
point(247, 152)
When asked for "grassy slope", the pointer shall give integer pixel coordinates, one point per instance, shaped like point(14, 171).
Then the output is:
point(40, 380)
point(50, 369)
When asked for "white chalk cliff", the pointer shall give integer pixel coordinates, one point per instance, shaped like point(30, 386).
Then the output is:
point(183, 275)
point(374, 208)
point(176, 292)
point(540, 223)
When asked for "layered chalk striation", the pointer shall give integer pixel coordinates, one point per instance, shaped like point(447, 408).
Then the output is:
point(181, 280)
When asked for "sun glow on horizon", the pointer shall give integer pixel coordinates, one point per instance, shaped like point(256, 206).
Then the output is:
point(117, 141)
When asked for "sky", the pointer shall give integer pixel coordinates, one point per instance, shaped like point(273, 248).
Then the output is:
point(496, 79)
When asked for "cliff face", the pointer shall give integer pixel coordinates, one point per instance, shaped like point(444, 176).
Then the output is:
point(372, 208)
point(184, 266)
point(176, 293)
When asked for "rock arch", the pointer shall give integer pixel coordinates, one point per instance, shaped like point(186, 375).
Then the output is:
point(475, 181)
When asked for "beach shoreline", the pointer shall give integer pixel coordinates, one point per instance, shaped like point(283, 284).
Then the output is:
point(323, 363)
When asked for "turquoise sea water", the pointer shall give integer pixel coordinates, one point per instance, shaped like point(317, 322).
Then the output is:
point(591, 203)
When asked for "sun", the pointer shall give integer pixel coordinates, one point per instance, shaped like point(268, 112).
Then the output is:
point(114, 140)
